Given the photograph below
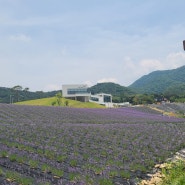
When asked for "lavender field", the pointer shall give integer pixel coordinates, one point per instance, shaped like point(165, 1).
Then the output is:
point(66, 146)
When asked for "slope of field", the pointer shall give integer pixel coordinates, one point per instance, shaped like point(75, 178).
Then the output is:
point(171, 109)
point(71, 103)
point(45, 145)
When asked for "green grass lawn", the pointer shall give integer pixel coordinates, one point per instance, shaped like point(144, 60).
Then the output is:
point(53, 102)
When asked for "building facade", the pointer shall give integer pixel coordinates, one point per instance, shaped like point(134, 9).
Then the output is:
point(76, 92)
point(102, 98)
point(80, 93)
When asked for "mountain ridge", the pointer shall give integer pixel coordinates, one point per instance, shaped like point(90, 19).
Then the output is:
point(159, 81)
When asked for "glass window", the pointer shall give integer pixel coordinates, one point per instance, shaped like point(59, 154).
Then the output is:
point(107, 98)
point(94, 99)
point(77, 91)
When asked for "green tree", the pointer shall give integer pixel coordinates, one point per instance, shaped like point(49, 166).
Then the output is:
point(39, 94)
point(26, 91)
point(17, 89)
point(66, 103)
point(143, 99)
point(59, 98)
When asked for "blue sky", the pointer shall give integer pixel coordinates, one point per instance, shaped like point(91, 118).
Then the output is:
point(47, 43)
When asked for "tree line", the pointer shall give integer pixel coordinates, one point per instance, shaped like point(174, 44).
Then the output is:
point(19, 93)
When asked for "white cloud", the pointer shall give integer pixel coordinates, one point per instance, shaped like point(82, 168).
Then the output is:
point(171, 61)
point(174, 60)
point(148, 65)
point(128, 65)
point(88, 83)
point(20, 37)
point(52, 87)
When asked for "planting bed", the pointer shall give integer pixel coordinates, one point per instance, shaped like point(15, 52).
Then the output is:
point(55, 145)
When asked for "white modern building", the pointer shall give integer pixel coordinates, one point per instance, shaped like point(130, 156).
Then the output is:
point(80, 92)
point(76, 92)
point(102, 98)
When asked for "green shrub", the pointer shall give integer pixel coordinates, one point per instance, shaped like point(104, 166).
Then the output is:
point(4, 154)
point(57, 172)
point(175, 174)
point(53, 103)
point(125, 174)
point(105, 182)
point(46, 168)
point(61, 158)
point(13, 157)
point(73, 163)
point(1, 172)
point(33, 163)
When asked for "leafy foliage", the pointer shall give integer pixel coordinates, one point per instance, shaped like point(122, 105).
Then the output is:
point(59, 98)
point(175, 174)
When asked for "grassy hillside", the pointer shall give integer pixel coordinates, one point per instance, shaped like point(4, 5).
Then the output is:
point(71, 103)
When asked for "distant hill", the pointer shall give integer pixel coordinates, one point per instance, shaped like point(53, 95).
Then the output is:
point(161, 81)
point(109, 88)
point(117, 91)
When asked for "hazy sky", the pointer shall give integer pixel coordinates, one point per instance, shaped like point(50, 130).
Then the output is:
point(47, 43)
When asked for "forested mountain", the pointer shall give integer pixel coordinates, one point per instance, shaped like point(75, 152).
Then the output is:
point(159, 82)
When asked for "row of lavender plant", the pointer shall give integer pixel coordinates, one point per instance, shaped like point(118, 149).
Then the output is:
point(55, 145)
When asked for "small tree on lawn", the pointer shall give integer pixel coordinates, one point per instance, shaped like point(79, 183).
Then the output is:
point(59, 98)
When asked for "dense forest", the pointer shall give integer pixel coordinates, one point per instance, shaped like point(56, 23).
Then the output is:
point(18, 93)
